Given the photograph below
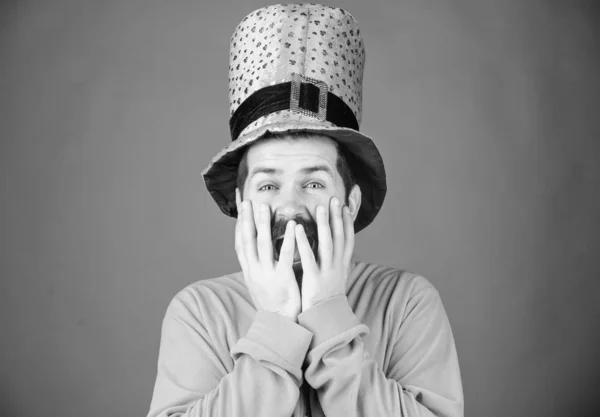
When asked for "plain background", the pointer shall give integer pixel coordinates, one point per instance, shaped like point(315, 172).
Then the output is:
point(487, 116)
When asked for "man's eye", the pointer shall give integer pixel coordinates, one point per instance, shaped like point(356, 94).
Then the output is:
point(314, 185)
point(268, 187)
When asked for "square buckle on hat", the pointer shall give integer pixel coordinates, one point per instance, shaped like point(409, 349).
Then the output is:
point(298, 79)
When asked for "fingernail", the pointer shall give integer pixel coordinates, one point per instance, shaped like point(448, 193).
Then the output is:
point(263, 207)
point(335, 201)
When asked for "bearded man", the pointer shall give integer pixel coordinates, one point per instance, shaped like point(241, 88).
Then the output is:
point(303, 329)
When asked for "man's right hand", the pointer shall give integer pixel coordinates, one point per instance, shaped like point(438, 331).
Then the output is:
point(272, 284)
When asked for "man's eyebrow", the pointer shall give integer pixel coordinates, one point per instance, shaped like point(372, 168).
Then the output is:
point(317, 168)
point(264, 170)
point(277, 171)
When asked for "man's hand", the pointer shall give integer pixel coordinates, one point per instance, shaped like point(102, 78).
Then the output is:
point(336, 245)
point(272, 284)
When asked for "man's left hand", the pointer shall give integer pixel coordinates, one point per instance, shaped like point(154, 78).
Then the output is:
point(327, 277)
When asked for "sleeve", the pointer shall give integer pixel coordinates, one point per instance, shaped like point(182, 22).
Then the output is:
point(193, 380)
point(423, 376)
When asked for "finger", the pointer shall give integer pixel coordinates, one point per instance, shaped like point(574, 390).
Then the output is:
point(324, 233)
point(337, 229)
point(238, 200)
point(288, 247)
point(239, 247)
point(263, 237)
point(249, 234)
point(348, 234)
point(307, 257)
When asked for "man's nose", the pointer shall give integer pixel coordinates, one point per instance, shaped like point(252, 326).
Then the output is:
point(290, 203)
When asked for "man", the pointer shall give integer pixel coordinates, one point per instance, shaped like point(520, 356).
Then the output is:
point(303, 329)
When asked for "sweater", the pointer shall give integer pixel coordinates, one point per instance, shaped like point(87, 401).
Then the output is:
point(384, 349)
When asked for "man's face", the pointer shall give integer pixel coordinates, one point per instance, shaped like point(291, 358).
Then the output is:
point(293, 177)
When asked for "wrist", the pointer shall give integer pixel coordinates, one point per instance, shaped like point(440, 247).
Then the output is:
point(289, 313)
point(310, 302)
point(290, 316)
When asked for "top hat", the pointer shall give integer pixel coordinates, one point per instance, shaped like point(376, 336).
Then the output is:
point(298, 67)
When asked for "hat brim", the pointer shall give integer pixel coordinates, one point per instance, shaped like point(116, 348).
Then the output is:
point(220, 176)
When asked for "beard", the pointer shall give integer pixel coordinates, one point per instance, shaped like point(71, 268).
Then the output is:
point(278, 226)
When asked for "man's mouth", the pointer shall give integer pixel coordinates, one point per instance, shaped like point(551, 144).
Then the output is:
point(278, 243)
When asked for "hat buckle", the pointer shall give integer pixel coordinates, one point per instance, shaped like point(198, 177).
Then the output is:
point(295, 105)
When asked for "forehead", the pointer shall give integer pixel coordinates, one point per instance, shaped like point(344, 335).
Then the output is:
point(293, 152)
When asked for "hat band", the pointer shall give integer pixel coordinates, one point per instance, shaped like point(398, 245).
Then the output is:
point(287, 96)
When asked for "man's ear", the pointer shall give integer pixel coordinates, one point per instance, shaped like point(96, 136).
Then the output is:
point(354, 199)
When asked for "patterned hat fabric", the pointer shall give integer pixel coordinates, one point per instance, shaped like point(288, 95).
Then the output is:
point(298, 67)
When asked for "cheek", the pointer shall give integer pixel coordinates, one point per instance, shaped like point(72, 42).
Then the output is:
point(320, 200)
point(256, 202)
point(256, 208)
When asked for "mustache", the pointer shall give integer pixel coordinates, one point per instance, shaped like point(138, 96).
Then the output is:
point(278, 226)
